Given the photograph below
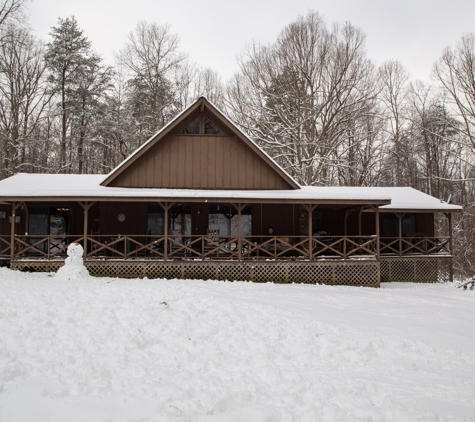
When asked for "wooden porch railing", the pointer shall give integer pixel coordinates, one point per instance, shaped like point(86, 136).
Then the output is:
point(42, 247)
point(415, 245)
point(5, 246)
point(222, 248)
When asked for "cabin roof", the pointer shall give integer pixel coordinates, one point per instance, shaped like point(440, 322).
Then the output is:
point(72, 187)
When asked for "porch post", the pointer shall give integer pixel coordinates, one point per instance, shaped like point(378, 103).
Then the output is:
point(449, 216)
point(360, 212)
point(310, 209)
point(86, 222)
point(399, 216)
point(239, 233)
point(27, 216)
point(166, 206)
point(378, 241)
point(12, 231)
point(85, 206)
point(239, 208)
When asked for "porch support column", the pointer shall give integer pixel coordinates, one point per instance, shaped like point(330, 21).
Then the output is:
point(85, 206)
point(166, 207)
point(310, 208)
point(239, 208)
point(15, 205)
point(449, 217)
point(378, 234)
point(27, 216)
point(360, 212)
point(399, 216)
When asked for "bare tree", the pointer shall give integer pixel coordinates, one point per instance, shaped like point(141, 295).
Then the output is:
point(437, 142)
point(151, 55)
point(455, 70)
point(23, 98)
point(192, 82)
point(298, 96)
point(11, 10)
point(114, 128)
point(208, 83)
point(360, 152)
point(394, 81)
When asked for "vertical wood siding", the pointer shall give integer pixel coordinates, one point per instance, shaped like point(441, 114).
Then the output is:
point(201, 162)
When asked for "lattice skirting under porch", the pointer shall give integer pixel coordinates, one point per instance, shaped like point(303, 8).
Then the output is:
point(354, 273)
point(428, 269)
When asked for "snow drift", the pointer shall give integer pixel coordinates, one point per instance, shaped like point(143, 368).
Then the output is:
point(155, 350)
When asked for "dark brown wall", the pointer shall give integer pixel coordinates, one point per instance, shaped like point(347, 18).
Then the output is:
point(333, 220)
point(282, 217)
point(4, 224)
point(94, 218)
point(425, 223)
point(76, 219)
point(368, 223)
point(201, 162)
point(75, 223)
point(135, 222)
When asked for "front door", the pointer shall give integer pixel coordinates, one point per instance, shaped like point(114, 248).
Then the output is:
point(200, 219)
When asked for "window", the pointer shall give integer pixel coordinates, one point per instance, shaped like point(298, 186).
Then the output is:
point(202, 126)
point(180, 219)
point(408, 225)
point(193, 128)
point(211, 128)
point(391, 225)
point(156, 220)
point(225, 219)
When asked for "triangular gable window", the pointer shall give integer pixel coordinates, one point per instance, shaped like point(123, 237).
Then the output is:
point(211, 128)
point(202, 126)
point(193, 128)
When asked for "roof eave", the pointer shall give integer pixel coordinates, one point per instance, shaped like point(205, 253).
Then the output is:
point(419, 210)
point(210, 199)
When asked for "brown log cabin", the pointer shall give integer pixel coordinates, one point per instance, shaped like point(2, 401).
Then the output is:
point(197, 201)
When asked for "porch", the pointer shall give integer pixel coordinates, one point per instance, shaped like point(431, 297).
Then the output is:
point(333, 243)
point(339, 260)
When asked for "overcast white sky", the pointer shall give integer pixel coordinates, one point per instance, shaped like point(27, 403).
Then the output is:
point(214, 32)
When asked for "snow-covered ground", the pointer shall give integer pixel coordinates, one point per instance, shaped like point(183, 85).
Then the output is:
point(102, 349)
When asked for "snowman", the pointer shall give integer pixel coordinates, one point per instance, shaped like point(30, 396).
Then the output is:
point(75, 253)
point(74, 264)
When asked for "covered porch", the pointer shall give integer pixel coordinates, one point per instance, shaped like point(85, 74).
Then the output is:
point(328, 242)
point(191, 231)
point(218, 230)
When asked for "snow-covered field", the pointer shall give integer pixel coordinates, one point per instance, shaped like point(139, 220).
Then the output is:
point(103, 349)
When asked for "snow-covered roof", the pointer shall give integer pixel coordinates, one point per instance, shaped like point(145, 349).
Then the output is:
point(405, 198)
point(36, 187)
